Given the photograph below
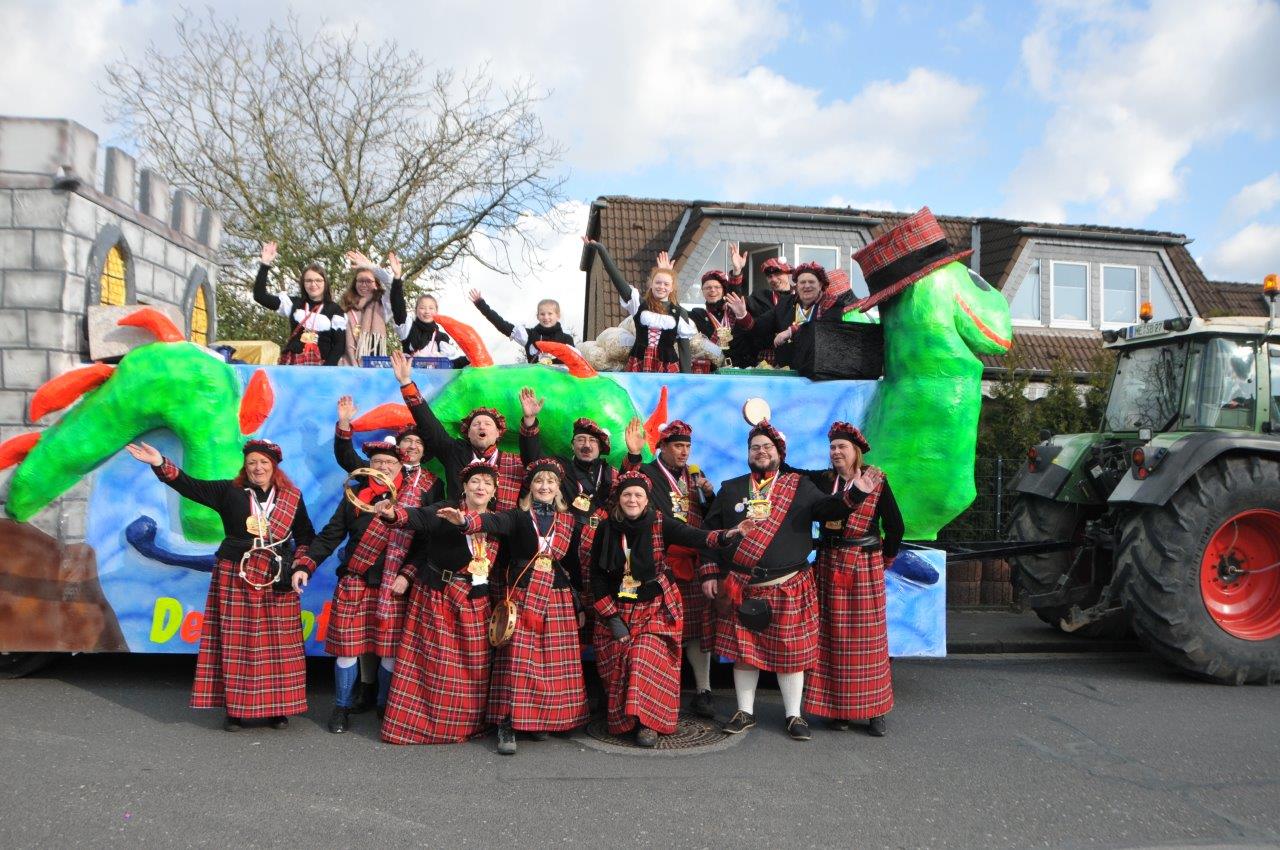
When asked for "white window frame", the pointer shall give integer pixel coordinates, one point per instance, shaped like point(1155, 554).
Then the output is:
point(1030, 323)
point(1055, 322)
point(836, 248)
point(1102, 294)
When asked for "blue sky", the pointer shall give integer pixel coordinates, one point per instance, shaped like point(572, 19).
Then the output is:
point(1160, 114)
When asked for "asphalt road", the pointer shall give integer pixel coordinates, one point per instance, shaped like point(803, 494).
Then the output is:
point(983, 751)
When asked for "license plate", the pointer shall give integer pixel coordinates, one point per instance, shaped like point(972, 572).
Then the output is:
point(1149, 329)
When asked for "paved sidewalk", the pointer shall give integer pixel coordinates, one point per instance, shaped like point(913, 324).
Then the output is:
point(985, 631)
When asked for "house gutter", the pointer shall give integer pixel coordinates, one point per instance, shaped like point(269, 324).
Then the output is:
point(784, 215)
point(675, 240)
point(1102, 236)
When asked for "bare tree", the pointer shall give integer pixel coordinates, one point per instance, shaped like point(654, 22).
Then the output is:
point(326, 144)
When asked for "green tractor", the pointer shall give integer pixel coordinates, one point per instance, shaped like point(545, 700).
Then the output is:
point(1167, 520)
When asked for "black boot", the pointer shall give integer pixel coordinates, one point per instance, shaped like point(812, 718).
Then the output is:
point(339, 720)
point(279, 722)
point(877, 728)
point(366, 697)
point(232, 724)
point(506, 739)
point(702, 705)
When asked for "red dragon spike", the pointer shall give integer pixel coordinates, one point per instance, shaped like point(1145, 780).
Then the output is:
point(656, 419)
point(14, 449)
point(467, 339)
point(259, 398)
point(569, 356)
point(153, 321)
point(62, 391)
point(389, 416)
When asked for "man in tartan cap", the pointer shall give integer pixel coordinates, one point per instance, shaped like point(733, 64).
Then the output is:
point(769, 566)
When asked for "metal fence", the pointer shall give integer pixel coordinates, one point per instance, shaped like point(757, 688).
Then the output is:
point(988, 517)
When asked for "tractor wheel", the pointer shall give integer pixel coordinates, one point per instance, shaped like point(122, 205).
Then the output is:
point(1203, 573)
point(1035, 518)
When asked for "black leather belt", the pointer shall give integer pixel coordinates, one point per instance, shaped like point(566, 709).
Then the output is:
point(867, 543)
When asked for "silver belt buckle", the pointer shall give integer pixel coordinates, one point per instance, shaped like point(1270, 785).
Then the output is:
point(446, 576)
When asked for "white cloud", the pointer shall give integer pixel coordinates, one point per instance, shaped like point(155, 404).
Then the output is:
point(554, 274)
point(1249, 255)
point(1134, 92)
point(1256, 198)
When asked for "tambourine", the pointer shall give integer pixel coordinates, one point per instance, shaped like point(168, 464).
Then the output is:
point(502, 622)
point(755, 411)
point(367, 472)
point(275, 557)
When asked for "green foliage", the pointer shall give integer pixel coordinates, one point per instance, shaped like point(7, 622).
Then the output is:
point(1061, 409)
point(1006, 427)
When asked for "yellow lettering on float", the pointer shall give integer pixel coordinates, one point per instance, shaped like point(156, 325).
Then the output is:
point(166, 619)
point(308, 623)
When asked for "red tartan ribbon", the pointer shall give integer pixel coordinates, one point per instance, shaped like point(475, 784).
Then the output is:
point(754, 544)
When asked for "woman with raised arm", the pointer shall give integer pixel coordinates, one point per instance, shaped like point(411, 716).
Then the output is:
point(317, 326)
point(373, 299)
point(250, 660)
point(663, 328)
point(639, 616)
point(536, 685)
point(440, 688)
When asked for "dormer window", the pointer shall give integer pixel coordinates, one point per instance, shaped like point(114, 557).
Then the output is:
point(1119, 295)
point(1069, 294)
point(1025, 307)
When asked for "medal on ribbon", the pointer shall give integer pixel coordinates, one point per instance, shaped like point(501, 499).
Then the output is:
point(582, 503)
point(310, 337)
point(542, 563)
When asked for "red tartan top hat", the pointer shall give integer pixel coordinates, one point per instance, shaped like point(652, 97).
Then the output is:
point(903, 255)
point(586, 426)
point(845, 431)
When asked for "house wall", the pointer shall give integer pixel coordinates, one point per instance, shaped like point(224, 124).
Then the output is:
point(58, 220)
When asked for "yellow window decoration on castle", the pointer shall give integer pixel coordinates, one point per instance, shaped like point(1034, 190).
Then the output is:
point(199, 319)
point(113, 289)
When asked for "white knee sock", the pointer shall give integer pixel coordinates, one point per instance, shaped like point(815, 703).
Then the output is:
point(700, 662)
point(345, 661)
point(745, 679)
point(792, 687)
point(388, 664)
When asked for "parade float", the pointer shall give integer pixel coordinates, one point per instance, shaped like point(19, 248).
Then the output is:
point(139, 580)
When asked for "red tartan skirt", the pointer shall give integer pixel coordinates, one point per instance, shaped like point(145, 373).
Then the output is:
point(642, 677)
point(353, 618)
point(699, 618)
point(651, 362)
point(537, 675)
point(309, 356)
point(250, 657)
point(790, 644)
point(852, 679)
point(440, 685)
point(387, 630)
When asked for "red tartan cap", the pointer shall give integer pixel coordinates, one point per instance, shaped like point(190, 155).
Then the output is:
point(264, 447)
point(716, 274)
point(779, 439)
point(675, 430)
point(775, 263)
point(632, 478)
point(591, 429)
point(381, 447)
point(408, 431)
point(845, 431)
point(814, 269)
point(903, 255)
point(477, 467)
point(491, 412)
point(542, 464)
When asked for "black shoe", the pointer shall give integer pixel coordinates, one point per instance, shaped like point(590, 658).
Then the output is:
point(366, 697)
point(798, 729)
point(740, 722)
point(876, 728)
point(702, 705)
point(838, 725)
point(539, 736)
point(232, 724)
point(382, 711)
point(279, 722)
point(506, 740)
point(339, 720)
point(646, 737)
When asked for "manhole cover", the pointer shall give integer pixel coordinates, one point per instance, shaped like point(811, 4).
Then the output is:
point(691, 733)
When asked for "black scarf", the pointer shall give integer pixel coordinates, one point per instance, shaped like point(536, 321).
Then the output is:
point(544, 516)
point(716, 308)
point(607, 552)
point(421, 334)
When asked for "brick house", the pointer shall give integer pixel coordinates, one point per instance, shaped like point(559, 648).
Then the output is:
point(1065, 283)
